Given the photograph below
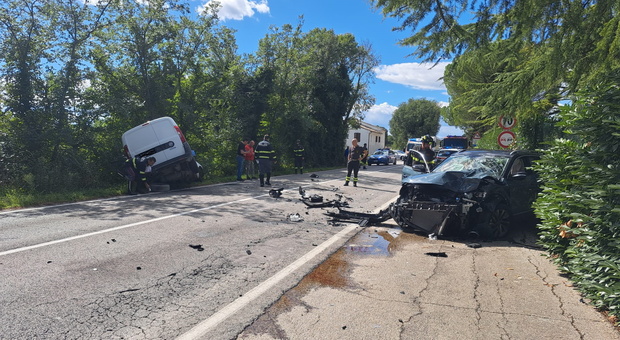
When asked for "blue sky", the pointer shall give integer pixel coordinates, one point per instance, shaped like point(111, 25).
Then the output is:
point(398, 78)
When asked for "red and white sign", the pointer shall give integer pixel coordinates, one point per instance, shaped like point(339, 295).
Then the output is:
point(507, 122)
point(506, 139)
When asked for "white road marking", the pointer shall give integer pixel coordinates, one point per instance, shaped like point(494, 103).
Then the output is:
point(77, 237)
point(207, 325)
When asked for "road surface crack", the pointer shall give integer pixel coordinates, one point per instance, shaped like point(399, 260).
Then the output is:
point(544, 278)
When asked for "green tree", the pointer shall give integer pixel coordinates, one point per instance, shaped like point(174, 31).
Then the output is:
point(415, 118)
point(478, 95)
point(338, 72)
point(319, 82)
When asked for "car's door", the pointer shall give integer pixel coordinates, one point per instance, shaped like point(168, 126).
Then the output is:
point(522, 183)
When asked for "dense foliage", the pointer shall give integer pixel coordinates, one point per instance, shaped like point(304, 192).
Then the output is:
point(75, 75)
point(580, 203)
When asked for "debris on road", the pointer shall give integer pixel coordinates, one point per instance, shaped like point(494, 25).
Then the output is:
point(440, 254)
point(345, 215)
point(275, 193)
point(197, 247)
point(295, 217)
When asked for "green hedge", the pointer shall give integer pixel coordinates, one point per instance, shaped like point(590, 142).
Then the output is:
point(578, 205)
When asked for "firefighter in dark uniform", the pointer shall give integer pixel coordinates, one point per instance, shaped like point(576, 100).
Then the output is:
point(266, 156)
point(356, 152)
point(427, 154)
point(299, 152)
point(137, 175)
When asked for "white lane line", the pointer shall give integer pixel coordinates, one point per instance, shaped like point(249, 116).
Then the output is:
point(207, 325)
point(77, 237)
point(44, 244)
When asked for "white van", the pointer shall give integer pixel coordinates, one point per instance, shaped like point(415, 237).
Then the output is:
point(161, 138)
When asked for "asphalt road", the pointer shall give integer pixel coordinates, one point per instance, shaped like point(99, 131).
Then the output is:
point(198, 263)
point(230, 262)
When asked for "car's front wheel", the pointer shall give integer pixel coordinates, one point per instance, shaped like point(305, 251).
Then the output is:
point(495, 223)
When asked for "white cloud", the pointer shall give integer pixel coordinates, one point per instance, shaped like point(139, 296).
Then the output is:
point(415, 75)
point(238, 9)
point(380, 115)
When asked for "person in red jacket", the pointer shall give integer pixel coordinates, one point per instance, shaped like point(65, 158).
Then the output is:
point(249, 160)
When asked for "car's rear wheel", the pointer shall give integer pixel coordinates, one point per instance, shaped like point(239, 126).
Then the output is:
point(495, 223)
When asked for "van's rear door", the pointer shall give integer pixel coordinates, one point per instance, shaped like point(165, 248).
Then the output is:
point(168, 136)
point(140, 139)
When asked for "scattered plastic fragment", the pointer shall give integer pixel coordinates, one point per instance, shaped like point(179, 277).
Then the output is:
point(295, 217)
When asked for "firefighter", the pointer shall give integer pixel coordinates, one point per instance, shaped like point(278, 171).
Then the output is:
point(299, 152)
point(137, 174)
point(356, 152)
point(428, 154)
point(365, 157)
point(266, 156)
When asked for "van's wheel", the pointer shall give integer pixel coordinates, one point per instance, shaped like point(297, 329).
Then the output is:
point(495, 223)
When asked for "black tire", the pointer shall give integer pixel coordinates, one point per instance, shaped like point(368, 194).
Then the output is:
point(495, 223)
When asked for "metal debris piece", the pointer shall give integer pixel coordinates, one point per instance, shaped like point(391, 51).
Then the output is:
point(440, 254)
point(275, 193)
point(197, 247)
point(316, 198)
point(345, 215)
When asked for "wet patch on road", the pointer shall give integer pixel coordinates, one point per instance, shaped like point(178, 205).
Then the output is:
point(335, 273)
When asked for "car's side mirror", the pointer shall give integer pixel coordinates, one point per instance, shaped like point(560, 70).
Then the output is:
point(418, 167)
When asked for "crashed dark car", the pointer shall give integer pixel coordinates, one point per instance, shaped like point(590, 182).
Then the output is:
point(476, 191)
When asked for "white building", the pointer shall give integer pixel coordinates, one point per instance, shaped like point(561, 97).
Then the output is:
point(374, 136)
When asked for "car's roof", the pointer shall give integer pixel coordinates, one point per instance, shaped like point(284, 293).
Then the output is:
point(480, 152)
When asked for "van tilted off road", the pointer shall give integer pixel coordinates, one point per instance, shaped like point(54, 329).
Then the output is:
point(161, 138)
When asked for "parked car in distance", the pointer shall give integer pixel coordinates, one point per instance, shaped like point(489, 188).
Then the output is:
point(400, 155)
point(445, 153)
point(476, 191)
point(382, 156)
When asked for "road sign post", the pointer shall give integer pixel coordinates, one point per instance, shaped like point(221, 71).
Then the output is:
point(506, 139)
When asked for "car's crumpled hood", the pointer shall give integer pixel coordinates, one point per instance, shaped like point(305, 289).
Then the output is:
point(452, 180)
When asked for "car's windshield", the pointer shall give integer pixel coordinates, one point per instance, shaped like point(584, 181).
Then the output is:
point(475, 165)
point(380, 152)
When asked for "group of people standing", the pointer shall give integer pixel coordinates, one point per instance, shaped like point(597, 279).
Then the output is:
point(265, 155)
